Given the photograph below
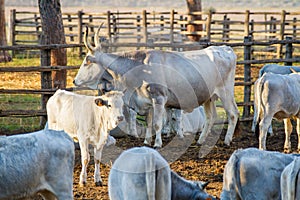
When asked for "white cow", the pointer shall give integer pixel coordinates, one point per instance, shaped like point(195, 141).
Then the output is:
point(277, 96)
point(41, 162)
point(142, 173)
point(192, 122)
point(290, 181)
point(153, 80)
point(88, 119)
point(275, 69)
point(254, 174)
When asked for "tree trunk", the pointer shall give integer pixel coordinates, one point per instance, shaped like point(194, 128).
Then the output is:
point(53, 33)
point(4, 57)
point(194, 6)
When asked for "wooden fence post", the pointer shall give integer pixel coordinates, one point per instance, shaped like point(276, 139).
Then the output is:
point(225, 35)
point(281, 33)
point(13, 29)
point(138, 30)
point(46, 81)
point(208, 25)
point(108, 30)
point(247, 23)
point(162, 23)
point(272, 27)
point(294, 27)
point(172, 27)
point(70, 28)
point(80, 28)
point(288, 51)
point(145, 26)
point(247, 77)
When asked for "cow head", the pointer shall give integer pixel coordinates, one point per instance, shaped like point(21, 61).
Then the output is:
point(113, 103)
point(91, 73)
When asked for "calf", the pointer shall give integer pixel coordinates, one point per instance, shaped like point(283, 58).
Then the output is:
point(254, 174)
point(37, 163)
point(290, 181)
point(277, 96)
point(88, 119)
point(142, 173)
point(275, 69)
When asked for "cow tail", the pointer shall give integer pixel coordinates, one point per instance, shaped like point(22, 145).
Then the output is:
point(236, 171)
point(150, 176)
point(231, 180)
point(258, 98)
point(292, 181)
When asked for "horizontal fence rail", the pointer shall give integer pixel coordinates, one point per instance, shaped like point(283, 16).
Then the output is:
point(161, 27)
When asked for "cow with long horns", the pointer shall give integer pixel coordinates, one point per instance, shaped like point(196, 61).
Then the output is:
point(154, 79)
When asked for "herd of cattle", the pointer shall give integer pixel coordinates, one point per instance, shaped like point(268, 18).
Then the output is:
point(167, 88)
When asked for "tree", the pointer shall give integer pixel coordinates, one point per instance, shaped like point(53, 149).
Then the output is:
point(53, 33)
point(4, 57)
point(194, 6)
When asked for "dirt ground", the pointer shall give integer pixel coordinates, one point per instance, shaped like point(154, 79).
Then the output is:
point(189, 165)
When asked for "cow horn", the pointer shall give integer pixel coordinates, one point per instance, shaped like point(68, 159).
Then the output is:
point(96, 37)
point(86, 41)
point(292, 70)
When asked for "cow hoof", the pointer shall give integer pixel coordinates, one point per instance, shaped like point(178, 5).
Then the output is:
point(227, 142)
point(82, 184)
point(156, 147)
point(287, 150)
point(98, 184)
point(200, 142)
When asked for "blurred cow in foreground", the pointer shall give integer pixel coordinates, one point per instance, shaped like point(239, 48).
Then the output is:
point(37, 163)
point(254, 174)
point(142, 173)
point(290, 181)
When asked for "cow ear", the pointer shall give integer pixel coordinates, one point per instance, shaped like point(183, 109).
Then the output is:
point(101, 102)
point(202, 185)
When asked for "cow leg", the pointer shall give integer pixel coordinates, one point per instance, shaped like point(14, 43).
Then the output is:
point(97, 159)
point(211, 114)
point(178, 123)
point(85, 159)
point(167, 123)
point(132, 123)
point(232, 114)
point(288, 130)
point(158, 113)
point(298, 133)
point(148, 137)
point(263, 126)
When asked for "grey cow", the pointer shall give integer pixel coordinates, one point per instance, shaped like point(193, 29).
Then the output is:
point(153, 80)
point(277, 96)
point(37, 163)
point(254, 174)
point(275, 69)
point(142, 173)
point(290, 181)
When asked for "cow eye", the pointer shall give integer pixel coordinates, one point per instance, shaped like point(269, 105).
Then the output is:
point(88, 62)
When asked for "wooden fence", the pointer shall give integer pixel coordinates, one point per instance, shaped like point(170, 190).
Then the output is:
point(244, 79)
point(170, 26)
